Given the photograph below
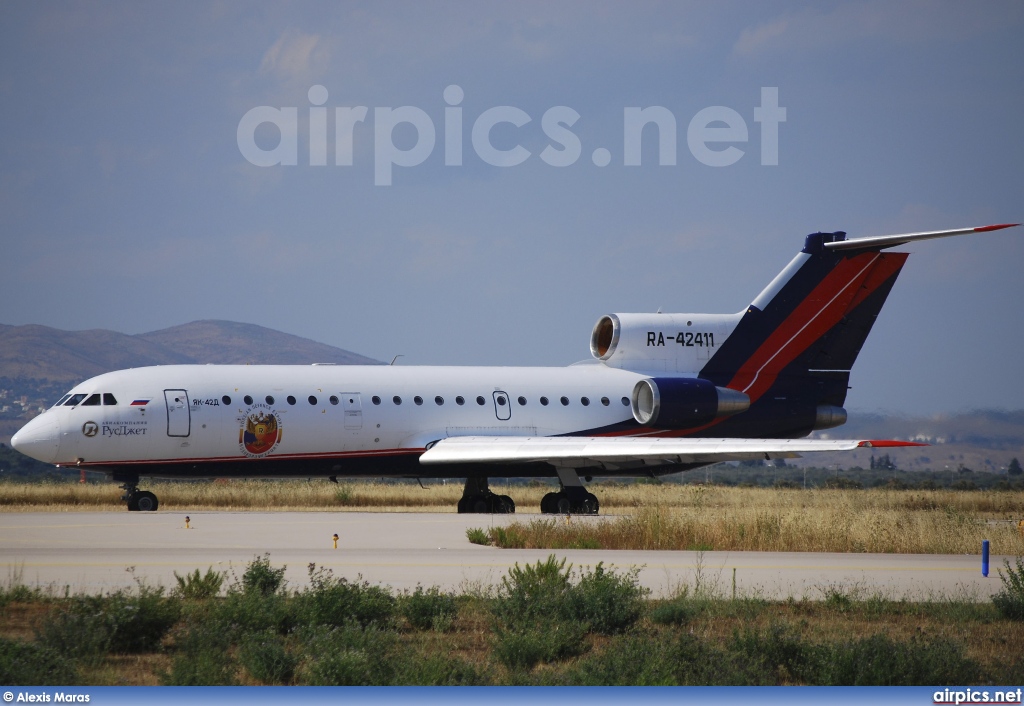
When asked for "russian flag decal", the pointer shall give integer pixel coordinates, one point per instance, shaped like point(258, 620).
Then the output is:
point(140, 403)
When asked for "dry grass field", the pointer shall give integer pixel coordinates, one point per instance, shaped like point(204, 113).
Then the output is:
point(639, 516)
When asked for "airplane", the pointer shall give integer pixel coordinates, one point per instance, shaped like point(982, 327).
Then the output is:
point(663, 393)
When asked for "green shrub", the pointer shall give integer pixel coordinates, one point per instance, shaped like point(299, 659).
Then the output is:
point(196, 586)
point(350, 655)
point(437, 670)
point(78, 630)
point(33, 664)
point(533, 592)
point(523, 648)
point(606, 602)
point(477, 536)
point(265, 657)
point(335, 602)
point(1010, 599)
point(429, 609)
point(634, 660)
point(139, 621)
point(87, 627)
point(255, 612)
point(881, 661)
point(693, 661)
point(542, 594)
point(507, 538)
point(675, 612)
point(781, 655)
point(664, 659)
point(202, 657)
point(17, 592)
point(260, 577)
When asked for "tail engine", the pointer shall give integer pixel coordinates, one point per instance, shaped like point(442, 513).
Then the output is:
point(679, 403)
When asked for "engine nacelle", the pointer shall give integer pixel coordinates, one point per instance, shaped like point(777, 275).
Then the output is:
point(679, 403)
point(667, 343)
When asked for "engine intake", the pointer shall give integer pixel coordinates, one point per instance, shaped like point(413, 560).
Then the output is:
point(678, 403)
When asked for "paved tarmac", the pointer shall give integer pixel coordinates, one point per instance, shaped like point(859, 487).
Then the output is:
point(91, 552)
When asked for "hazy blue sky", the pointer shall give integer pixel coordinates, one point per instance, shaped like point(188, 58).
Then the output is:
point(126, 202)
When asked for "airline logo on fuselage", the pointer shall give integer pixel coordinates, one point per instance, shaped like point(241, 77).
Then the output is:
point(260, 431)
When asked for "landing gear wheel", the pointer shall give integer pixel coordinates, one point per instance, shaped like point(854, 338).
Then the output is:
point(549, 504)
point(144, 501)
point(562, 504)
point(504, 505)
point(480, 505)
point(133, 502)
point(590, 505)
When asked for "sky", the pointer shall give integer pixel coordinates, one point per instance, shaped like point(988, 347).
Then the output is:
point(133, 196)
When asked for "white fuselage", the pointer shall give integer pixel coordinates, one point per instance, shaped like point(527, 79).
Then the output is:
point(236, 413)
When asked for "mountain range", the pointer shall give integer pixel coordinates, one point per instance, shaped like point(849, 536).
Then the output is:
point(44, 353)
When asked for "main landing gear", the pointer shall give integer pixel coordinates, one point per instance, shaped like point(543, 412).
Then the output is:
point(478, 498)
point(572, 499)
point(138, 500)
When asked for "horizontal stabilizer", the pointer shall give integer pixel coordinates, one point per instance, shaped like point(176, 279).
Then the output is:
point(888, 241)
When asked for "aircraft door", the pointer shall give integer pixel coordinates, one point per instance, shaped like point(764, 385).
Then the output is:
point(502, 405)
point(353, 410)
point(179, 417)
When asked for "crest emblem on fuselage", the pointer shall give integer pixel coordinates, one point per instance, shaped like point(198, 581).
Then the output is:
point(260, 431)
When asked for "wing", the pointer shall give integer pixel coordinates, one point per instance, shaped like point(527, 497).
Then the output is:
point(624, 452)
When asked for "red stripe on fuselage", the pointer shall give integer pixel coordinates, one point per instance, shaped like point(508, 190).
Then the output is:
point(269, 457)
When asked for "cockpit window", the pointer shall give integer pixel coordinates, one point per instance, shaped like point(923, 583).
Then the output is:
point(74, 400)
point(109, 399)
point(62, 400)
point(93, 401)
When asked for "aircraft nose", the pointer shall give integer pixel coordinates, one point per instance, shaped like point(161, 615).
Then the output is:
point(40, 438)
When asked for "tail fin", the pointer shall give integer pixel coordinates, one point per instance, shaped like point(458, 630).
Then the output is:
point(799, 338)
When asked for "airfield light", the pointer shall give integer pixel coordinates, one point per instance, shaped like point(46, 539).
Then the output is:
point(335, 540)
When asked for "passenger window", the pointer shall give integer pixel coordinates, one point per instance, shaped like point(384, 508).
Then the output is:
point(522, 401)
point(625, 401)
point(564, 401)
point(312, 400)
point(270, 399)
point(480, 400)
point(247, 399)
point(291, 399)
point(94, 400)
point(417, 399)
point(225, 399)
point(396, 399)
point(460, 400)
point(375, 399)
point(109, 399)
point(605, 401)
point(439, 400)
point(74, 400)
point(585, 401)
point(334, 399)
point(544, 401)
